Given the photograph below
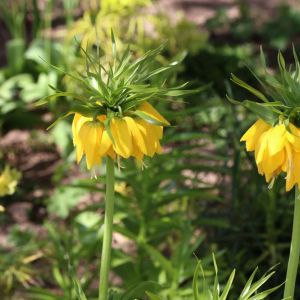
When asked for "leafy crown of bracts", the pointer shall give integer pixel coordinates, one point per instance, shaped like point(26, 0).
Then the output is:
point(280, 99)
point(117, 90)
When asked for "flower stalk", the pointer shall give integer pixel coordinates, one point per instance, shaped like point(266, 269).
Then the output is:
point(293, 263)
point(275, 139)
point(113, 119)
point(108, 229)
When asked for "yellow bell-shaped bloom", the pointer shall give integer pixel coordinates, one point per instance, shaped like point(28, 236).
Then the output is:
point(277, 149)
point(253, 133)
point(129, 136)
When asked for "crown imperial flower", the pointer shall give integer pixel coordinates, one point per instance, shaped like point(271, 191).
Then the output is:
point(112, 113)
point(275, 136)
point(130, 137)
point(277, 149)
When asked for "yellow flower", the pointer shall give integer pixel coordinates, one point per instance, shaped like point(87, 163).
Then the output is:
point(128, 136)
point(253, 133)
point(8, 181)
point(122, 188)
point(277, 149)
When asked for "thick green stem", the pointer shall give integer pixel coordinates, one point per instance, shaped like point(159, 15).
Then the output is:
point(108, 226)
point(291, 274)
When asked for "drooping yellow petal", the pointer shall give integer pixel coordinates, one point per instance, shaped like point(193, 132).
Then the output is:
point(273, 163)
point(78, 120)
point(290, 178)
point(158, 148)
point(253, 133)
point(75, 127)
point(137, 154)
point(149, 136)
point(122, 137)
point(293, 168)
point(276, 139)
point(79, 152)
point(105, 144)
point(137, 136)
point(261, 146)
point(294, 137)
point(158, 131)
point(90, 135)
point(152, 112)
point(284, 165)
point(270, 152)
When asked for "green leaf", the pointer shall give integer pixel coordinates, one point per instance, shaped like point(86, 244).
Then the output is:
point(262, 58)
point(248, 283)
point(158, 257)
point(58, 120)
point(152, 296)
point(78, 290)
point(264, 111)
point(88, 219)
point(126, 83)
point(281, 62)
point(148, 118)
point(257, 285)
point(216, 287)
point(46, 99)
point(139, 291)
point(107, 128)
point(64, 199)
point(251, 89)
point(264, 294)
point(41, 294)
point(195, 281)
point(113, 41)
point(228, 286)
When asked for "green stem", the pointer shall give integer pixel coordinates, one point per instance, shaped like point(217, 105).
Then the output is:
point(108, 226)
point(291, 275)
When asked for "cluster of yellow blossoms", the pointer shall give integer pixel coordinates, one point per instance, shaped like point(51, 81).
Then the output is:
point(128, 137)
point(277, 149)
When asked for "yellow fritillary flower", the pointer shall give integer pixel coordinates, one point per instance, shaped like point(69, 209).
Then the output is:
point(110, 103)
point(277, 149)
point(113, 119)
point(130, 137)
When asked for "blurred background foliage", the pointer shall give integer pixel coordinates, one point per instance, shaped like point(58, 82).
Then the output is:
point(202, 195)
